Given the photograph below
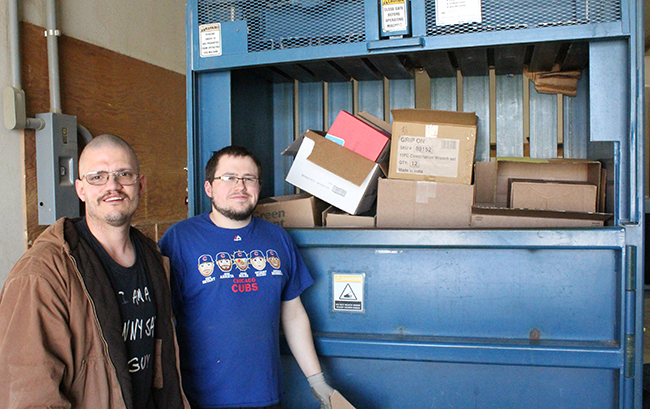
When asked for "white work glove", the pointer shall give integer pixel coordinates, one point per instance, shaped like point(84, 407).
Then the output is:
point(321, 390)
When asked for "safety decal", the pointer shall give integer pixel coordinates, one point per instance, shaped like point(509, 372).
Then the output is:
point(210, 40)
point(348, 292)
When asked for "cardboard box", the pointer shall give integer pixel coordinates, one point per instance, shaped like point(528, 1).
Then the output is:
point(545, 195)
point(491, 197)
point(299, 210)
point(421, 204)
point(333, 173)
point(501, 217)
point(431, 145)
point(333, 217)
point(493, 178)
point(337, 401)
point(361, 136)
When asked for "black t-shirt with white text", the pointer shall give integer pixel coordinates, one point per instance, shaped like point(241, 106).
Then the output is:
point(133, 292)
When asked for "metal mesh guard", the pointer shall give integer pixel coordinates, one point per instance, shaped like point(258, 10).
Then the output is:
point(280, 24)
point(500, 15)
point(276, 25)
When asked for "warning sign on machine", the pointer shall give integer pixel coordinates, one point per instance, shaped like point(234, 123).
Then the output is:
point(348, 292)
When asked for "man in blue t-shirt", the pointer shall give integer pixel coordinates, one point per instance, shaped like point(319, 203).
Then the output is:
point(235, 279)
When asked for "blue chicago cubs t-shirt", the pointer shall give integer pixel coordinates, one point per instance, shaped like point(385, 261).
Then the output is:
point(227, 289)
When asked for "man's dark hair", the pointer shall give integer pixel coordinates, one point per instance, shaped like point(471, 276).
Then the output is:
point(233, 150)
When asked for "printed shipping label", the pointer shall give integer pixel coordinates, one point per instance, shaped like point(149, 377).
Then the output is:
point(418, 155)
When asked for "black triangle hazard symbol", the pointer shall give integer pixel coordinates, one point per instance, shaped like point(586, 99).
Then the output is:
point(347, 294)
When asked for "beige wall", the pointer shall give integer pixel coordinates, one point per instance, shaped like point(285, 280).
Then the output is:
point(151, 31)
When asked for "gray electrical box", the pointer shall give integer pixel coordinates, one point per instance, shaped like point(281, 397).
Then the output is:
point(56, 167)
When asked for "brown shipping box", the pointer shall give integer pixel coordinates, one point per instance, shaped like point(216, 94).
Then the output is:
point(488, 213)
point(432, 145)
point(333, 217)
point(291, 211)
point(420, 204)
point(493, 178)
point(545, 195)
point(501, 217)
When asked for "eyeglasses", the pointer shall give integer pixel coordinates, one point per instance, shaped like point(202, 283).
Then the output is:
point(100, 177)
point(232, 180)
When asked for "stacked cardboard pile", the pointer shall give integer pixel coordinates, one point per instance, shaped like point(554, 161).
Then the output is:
point(420, 172)
point(341, 168)
point(429, 182)
point(539, 193)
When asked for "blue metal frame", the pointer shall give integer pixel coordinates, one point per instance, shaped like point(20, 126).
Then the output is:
point(451, 313)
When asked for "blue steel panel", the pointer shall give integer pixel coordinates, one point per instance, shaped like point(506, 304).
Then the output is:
point(340, 99)
point(394, 384)
point(603, 238)
point(543, 124)
point(609, 90)
point(576, 120)
point(234, 38)
point(310, 106)
point(213, 131)
point(282, 135)
point(402, 94)
point(443, 94)
point(371, 98)
point(476, 98)
point(560, 294)
point(509, 116)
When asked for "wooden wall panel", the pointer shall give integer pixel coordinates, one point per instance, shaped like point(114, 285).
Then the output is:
point(112, 93)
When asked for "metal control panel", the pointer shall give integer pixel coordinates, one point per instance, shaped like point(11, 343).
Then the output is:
point(56, 167)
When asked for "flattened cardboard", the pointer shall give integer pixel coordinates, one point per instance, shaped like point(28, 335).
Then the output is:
point(291, 211)
point(376, 122)
point(333, 217)
point(575, 170)
point(360, 136)
point(337, 401)
point(501, 217)
point(430, 145)
point(333, 173)
point(546, 195)
point(421, 204)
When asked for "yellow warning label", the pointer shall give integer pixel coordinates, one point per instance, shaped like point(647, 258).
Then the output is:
point(342, 278)
point(389, 2)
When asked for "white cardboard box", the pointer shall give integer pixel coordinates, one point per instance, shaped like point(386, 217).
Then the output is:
point(333, 173)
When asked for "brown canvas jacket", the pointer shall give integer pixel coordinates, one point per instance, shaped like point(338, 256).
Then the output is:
point(61, 342)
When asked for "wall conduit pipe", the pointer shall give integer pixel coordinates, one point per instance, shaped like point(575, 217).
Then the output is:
point(14, 44)
point(53, 56)
point(14, 96)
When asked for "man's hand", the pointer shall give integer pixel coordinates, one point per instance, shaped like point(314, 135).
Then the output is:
point(321, 390)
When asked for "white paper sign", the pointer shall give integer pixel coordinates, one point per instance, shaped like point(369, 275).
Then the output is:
point(394, 17)
point(458, 12)
point(210, 39)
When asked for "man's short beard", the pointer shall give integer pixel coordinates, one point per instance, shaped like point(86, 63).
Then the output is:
point(117, 219)
point(234, 215)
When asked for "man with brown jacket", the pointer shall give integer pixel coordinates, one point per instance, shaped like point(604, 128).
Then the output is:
point(85, 314)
